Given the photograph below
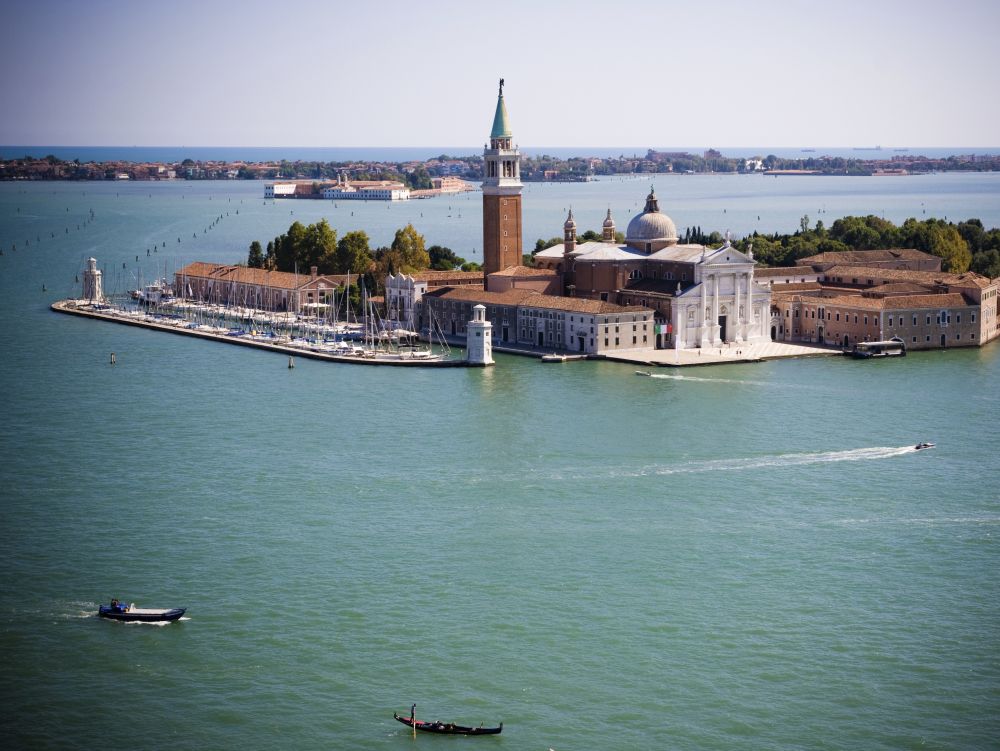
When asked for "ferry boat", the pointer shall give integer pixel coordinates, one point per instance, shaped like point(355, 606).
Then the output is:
point(894, 347)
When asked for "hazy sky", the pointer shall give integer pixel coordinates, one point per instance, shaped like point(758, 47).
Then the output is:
point(424, 73)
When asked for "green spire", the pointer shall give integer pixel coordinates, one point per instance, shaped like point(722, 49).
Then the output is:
point(501, 125)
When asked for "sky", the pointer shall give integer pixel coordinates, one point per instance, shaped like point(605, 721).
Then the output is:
point(657, 73)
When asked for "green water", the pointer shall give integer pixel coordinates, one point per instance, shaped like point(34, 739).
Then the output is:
point(732, 557)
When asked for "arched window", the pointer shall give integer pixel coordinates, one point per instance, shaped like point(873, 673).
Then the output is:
point(635, 274)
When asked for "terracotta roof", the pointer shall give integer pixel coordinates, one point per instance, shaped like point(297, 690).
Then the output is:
point(524, 271)
point(967, 279)
point(795, 287)
point(437, 276)
point(860, 257)
point(935, 302)
point(896, 302)
point(258, 277)
point(477, 294)
point(770, 271)
point(530, 298)
point(579, 305)
point(901, 288)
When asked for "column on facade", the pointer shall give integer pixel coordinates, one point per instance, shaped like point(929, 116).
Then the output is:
point(739, 314)
point(715, 308)
point(703, 328)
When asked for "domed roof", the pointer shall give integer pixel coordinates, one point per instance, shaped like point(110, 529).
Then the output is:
point(651, 224)
point(570, 223)
point(608, 221)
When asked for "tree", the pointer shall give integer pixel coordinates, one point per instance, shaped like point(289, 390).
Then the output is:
point(443, 259)
point(409, 245)
point(353, 253)
point(255, 260)
point(987, 263)
point(473, 266)
point(318, 248)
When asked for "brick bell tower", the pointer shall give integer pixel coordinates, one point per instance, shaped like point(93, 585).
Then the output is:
point(501, 196)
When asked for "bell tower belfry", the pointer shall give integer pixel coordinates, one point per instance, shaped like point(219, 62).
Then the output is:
point(501, 195)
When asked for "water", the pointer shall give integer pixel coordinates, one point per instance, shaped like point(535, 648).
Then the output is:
point(728, 557)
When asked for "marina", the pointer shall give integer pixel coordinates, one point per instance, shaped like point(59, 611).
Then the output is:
point(316, 349)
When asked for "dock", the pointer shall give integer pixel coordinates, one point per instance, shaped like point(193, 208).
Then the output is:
point(180, 326)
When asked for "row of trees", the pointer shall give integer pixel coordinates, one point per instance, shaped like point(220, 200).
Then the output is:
point(961, 247)
point(305, 246)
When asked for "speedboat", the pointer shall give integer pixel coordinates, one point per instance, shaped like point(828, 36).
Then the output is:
point(119, 611)
point(922, 446)
point(643, 373)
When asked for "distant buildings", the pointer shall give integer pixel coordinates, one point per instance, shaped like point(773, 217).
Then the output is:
point(343, 190)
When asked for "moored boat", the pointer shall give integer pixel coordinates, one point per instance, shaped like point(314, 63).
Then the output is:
point(119, 611)
point(894, 347)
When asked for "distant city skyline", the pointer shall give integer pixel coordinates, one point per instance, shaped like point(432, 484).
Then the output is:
point(580, 74)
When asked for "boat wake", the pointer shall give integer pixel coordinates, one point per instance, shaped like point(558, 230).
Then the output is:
point(779, 460)
point(673, 377)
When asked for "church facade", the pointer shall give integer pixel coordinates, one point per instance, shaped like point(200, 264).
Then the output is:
point(701, 297)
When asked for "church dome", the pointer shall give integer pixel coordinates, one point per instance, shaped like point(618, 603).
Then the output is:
point(651, 224)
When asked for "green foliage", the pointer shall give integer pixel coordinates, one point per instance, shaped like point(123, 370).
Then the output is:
point(409, 245)
point(473, 266)
point(303, 247)
point(353, 253)
point(255, 259)
point(960, 247)
point(444, 259)
point(541, 244)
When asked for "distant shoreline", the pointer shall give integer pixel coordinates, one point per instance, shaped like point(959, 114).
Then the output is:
point(417, 174)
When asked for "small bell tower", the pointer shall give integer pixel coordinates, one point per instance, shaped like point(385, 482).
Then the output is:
point(609, 228)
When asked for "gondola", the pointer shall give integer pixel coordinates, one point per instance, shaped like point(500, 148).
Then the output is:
point(445, 728)
point(119, 611)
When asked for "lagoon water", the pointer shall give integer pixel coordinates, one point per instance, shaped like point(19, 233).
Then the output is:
point(730, 557)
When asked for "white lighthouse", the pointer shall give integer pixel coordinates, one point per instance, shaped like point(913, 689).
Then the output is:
point(479, 338)
point(93, 291)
